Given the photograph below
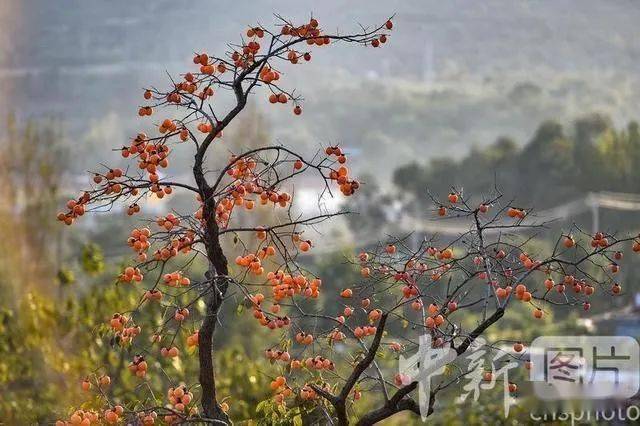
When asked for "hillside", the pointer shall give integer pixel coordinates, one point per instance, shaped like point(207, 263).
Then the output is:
point(456, 74)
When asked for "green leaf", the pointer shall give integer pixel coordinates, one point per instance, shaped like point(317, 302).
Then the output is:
point(297, 420)
point(261, 406)
point(66, 276)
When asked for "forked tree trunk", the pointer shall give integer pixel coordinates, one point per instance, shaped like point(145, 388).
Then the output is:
point(218, 273)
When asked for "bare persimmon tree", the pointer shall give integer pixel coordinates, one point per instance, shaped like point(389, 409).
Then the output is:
point(326, 357)
point(431, 287)
point(258, 176)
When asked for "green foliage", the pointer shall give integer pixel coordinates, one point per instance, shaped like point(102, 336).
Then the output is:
point(92, 259)
point(65, 276)
point(242, 381)
point(271, 413)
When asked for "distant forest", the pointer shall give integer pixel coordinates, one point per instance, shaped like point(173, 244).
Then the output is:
point(556, 165)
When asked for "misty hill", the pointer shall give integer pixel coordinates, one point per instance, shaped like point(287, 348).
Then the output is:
point(455, 74)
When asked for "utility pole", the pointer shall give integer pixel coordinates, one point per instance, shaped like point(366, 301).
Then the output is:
point(592, 200)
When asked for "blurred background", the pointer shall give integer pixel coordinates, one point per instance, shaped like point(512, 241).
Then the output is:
point(537, 98)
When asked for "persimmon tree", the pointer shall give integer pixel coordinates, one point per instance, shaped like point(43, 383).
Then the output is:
point(165, 249)
point(433, 287)
point(324, 358)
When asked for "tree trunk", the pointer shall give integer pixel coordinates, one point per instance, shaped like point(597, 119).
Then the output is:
point(217, 277)
point(341, 413)
point(210, 406)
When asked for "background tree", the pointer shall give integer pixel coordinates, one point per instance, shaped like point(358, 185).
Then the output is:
point(563, 157)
